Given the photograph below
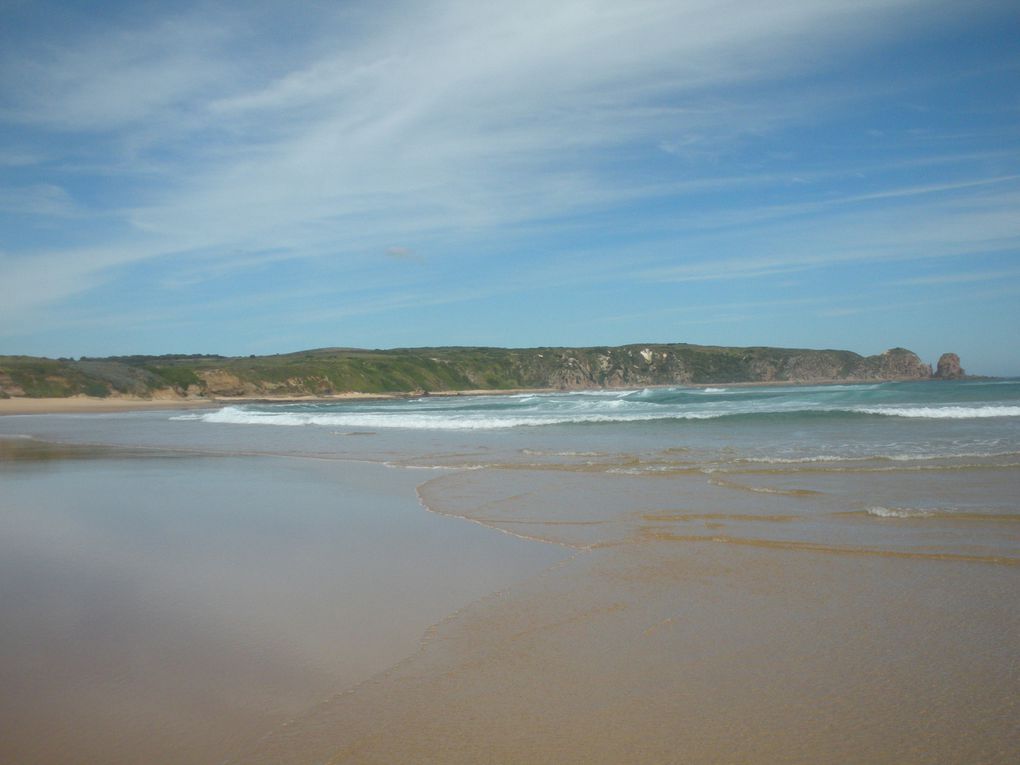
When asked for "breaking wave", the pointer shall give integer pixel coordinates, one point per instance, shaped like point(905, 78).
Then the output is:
point(877, 457)
point(234, 415)
point(900, 512)
point(678, 404)
point(944, 412)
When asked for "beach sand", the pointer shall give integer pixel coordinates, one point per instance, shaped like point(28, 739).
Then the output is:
point(91, 404)
point(487, 602)
point(163, 607)
point(718, 656)
point(86, 404)
point(679, 636)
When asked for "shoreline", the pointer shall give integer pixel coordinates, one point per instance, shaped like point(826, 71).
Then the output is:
point(22, 405)
point(682, 597)
point(89, 404)
point(86, 405)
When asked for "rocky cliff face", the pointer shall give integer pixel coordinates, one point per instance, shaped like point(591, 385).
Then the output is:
point(900, 364)
point(949, 367)
point(625, 366)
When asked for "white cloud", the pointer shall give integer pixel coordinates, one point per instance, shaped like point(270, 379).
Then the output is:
point(428, 121)
point(41, 199)
point(114, 80)
point(959, 277)
point(953, 227)
point(478, 115)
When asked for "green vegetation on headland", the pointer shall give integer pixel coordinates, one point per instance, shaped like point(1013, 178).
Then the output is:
point(331, 371)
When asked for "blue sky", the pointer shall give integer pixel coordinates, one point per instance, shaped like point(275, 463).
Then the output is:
point(254, 178)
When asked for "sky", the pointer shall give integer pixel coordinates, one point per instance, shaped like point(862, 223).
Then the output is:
point(260, 177)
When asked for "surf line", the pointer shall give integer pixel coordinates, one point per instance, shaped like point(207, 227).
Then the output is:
point(665, 536)
point(491, 525)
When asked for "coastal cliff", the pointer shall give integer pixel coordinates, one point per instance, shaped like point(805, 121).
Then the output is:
point(331, 371)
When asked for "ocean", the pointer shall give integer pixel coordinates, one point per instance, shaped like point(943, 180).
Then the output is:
point(728, 573)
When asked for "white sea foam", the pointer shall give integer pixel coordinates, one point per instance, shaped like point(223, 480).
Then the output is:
point(425, 416)
point(607, 393)
point(906, 457)
point(233, 415)
point(617, 406)
point(943, 412)
point(900, 512)
point(802, 460)
point(542, 453)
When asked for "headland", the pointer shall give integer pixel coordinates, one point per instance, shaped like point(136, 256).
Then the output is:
point(34, 384)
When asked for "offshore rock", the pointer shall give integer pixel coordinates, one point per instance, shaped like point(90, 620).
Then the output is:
point(949, 367)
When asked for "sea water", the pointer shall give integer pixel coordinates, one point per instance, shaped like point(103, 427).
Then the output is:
point(761, 573)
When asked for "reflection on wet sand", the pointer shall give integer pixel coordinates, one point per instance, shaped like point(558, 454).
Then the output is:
point(174, 610)
point(665, 605)
point(803, 632)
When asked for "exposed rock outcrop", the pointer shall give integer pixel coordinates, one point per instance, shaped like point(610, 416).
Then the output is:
point(8, 388)
point(901, 364)
point(221, 383)
point(949, 367)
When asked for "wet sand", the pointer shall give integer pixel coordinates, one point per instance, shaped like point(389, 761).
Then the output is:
point(495, 600)
point(716, 656)
point(763, 631)
point(172, 608)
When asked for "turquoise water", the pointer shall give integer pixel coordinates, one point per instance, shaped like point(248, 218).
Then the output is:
point(713, 426)
point(928, 401)
point(886, 421)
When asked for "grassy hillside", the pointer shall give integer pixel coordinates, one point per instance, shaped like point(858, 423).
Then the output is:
point(328, 371)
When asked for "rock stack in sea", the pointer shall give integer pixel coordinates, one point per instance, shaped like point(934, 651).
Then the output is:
point(949, 368)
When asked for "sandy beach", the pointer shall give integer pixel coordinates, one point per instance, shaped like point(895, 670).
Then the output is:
point(168, 608)
point(767, 575)
point(86, 404)
point(452, 383)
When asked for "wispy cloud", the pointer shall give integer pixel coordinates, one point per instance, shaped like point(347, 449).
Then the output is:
point(404, 254)
point(114, 79)
point(496, 149)
point(952, 228)
point(42, 199)
point(441, 116)
point(959, 277)
point(900, 305)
